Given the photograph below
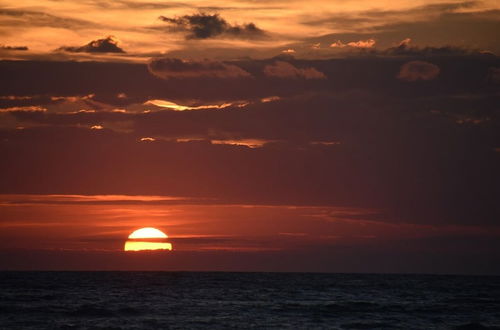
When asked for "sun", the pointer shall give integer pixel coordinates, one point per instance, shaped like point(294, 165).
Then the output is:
point(147, 232)
point(147, 238)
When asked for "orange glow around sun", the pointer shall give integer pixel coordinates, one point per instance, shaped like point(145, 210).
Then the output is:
point(147, 238)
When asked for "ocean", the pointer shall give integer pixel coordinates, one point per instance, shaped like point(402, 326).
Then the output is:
point(218, 300)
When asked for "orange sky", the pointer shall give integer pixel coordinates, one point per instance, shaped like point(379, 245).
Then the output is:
point(349, 135)
point(306, 28)
point(62, 225)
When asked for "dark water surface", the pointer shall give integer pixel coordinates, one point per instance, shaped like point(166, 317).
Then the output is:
point(186, 300)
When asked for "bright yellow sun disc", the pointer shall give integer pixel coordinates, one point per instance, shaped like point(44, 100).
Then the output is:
point(142, 246)
point(147, 232)
point(147, 238)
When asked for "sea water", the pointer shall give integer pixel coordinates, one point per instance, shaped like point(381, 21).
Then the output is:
point(203, 300)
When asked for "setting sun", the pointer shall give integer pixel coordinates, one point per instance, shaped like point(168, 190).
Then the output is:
point(147, 238)
point(147, 232)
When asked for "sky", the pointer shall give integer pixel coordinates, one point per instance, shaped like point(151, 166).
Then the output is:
point(319, 136)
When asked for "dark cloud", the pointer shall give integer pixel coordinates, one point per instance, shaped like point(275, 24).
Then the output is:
point(176, 68)
point(375, 74)
point(418, 70)
point(105, 45)
point(4, 47)
point(282, 69)
point(205, 26)
point(418, 171)
point(467, 254)
point(419, 152)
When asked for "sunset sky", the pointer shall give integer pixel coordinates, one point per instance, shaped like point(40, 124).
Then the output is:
point(335, 136)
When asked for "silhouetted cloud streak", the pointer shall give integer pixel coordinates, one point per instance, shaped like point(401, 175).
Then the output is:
point(104, 45)
point(5, 47)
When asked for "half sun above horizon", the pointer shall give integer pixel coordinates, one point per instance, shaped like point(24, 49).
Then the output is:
point(147, 238)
